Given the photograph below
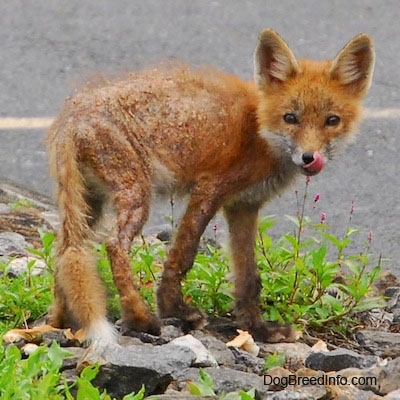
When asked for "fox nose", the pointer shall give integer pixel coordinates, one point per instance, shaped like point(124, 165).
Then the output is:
point(307, 158)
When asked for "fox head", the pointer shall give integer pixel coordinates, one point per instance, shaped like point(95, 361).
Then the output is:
point(309, 109)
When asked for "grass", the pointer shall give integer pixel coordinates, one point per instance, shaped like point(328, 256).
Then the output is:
point(309, 278)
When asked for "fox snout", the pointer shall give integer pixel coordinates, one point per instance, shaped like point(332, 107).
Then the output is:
point(312, 163)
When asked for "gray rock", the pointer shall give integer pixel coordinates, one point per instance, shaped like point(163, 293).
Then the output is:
point(339, 359)
point(300, 393)
point(12, 244)
point(395, 395)
point(203, 356)
point(380, 343)
point(170, 332)
point(21, 265)
point(217, 348)
point(227, 380)
point(295, 353)
point(393, 294)
point(126, 369)
point(248, 362)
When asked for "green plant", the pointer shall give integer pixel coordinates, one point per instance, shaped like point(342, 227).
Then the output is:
point(20, 204)
point(206, 283)
point(303, 283)
point(37, 377)
point(22, 298)
point(274, 360)
point(46, 253)
point(146, 268)
point(204, 386)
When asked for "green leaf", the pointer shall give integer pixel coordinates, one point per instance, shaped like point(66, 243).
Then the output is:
point(138, 396)
point(90, 372)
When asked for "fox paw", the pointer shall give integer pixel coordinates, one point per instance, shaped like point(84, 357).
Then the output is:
point(273, 332)
point(148, 323)
point(191, 318)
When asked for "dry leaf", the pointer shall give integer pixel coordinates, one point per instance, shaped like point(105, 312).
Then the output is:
point(245, 342)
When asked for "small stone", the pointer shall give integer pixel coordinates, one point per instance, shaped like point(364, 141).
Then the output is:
point(247, 362)
point(295, 353)
point(12, 244)
point(379, 342)
point(395, 395)
point(22, 265)
point(217, 348)
point(339, 359)
point(275, 377)
point(227, 380)
point(203, 356)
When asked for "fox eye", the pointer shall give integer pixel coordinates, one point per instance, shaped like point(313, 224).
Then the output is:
point(291, 119)
point(332, 120)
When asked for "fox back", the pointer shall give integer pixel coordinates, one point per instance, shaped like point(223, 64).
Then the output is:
point(227, 143)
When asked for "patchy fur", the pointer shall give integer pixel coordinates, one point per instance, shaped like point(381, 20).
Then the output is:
point(226, 143)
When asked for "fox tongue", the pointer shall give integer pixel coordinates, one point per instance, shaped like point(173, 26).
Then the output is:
point(317, 164)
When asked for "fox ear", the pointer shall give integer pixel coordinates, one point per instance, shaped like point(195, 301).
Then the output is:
point(354, 65)
point(274, 62)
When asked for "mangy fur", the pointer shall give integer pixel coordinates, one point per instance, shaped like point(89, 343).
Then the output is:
point(199, 132)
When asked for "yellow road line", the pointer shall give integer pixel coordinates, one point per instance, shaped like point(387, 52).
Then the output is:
point(383, 113)
point(12, 123)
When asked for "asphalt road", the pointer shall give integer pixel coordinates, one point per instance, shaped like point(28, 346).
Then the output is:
point(49, 47)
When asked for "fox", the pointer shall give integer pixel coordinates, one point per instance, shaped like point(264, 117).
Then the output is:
point(226, 144)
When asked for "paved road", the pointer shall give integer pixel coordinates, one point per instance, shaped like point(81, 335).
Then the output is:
point(49, 47)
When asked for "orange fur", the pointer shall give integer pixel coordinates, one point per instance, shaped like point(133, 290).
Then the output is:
point(227, 143)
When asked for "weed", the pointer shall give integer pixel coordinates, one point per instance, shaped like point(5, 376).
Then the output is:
point(23, 298)
point(206, 284)
point(303, 285)
point(204, 386)
point(274, 360)
point(21, 203)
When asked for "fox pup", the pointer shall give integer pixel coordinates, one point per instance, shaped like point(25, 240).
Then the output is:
point(227, 144)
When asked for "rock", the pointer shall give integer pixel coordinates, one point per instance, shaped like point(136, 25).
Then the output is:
point(393, 295)
point(170, 332)
point(395, 395)
point(19, 266)
point(338, 359)
point(363, 379)
point(217, 348)
point(126, 369)
point(351, 393)
point(385, 280)
point(247, 362)
point(12, 244)
point(380, 343)
point(295, 353)
point(276, 377)
point(227, 380)
point(390, 376)
point(203, 356)
point(301, 393)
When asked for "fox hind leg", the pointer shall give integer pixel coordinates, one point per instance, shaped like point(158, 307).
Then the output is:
point(201, 208)
point(132, 207)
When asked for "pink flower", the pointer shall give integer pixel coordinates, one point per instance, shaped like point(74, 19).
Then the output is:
point(323, 217)
point(317, 197)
